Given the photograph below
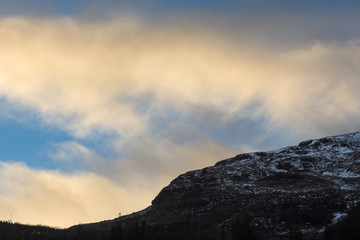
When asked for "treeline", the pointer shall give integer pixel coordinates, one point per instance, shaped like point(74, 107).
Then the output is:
point(241, 228)
point(16, 231)
point(139, 229)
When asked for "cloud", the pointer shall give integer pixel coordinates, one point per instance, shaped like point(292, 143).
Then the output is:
point(322, 97)
point(87, 78)
point(72, 156)
point(49, 197)
point(164, 98)
point(159, 159)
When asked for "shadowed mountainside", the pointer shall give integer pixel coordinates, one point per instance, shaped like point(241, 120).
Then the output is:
point(292, 193)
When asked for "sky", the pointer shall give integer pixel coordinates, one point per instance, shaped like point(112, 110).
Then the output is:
point(103, 103)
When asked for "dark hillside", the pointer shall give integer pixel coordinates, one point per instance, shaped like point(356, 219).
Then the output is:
point(16, 231)
point(292, 193)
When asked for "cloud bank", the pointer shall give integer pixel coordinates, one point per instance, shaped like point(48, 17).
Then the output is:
point(164, 98)
point(43, 197)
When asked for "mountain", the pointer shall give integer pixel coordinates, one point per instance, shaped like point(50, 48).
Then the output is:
point(297, 192)
point(288, 193)
point(291, 193)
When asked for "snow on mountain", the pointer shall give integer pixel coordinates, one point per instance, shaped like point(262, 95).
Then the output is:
point(312, 184)
point(295, 192)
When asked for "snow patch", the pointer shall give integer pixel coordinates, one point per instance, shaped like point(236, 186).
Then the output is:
point(337, 216)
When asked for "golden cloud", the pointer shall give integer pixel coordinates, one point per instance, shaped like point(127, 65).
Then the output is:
point(89, 78)
point(51, 198)
point(80, 76)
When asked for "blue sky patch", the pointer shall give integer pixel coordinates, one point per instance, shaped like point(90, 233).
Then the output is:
point(27, 143)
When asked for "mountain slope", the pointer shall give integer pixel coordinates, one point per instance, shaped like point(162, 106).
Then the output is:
point(294, 190)
point(292, 193)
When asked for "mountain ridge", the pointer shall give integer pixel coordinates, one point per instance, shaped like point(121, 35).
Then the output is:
point(295, 192)
point(315, 173)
